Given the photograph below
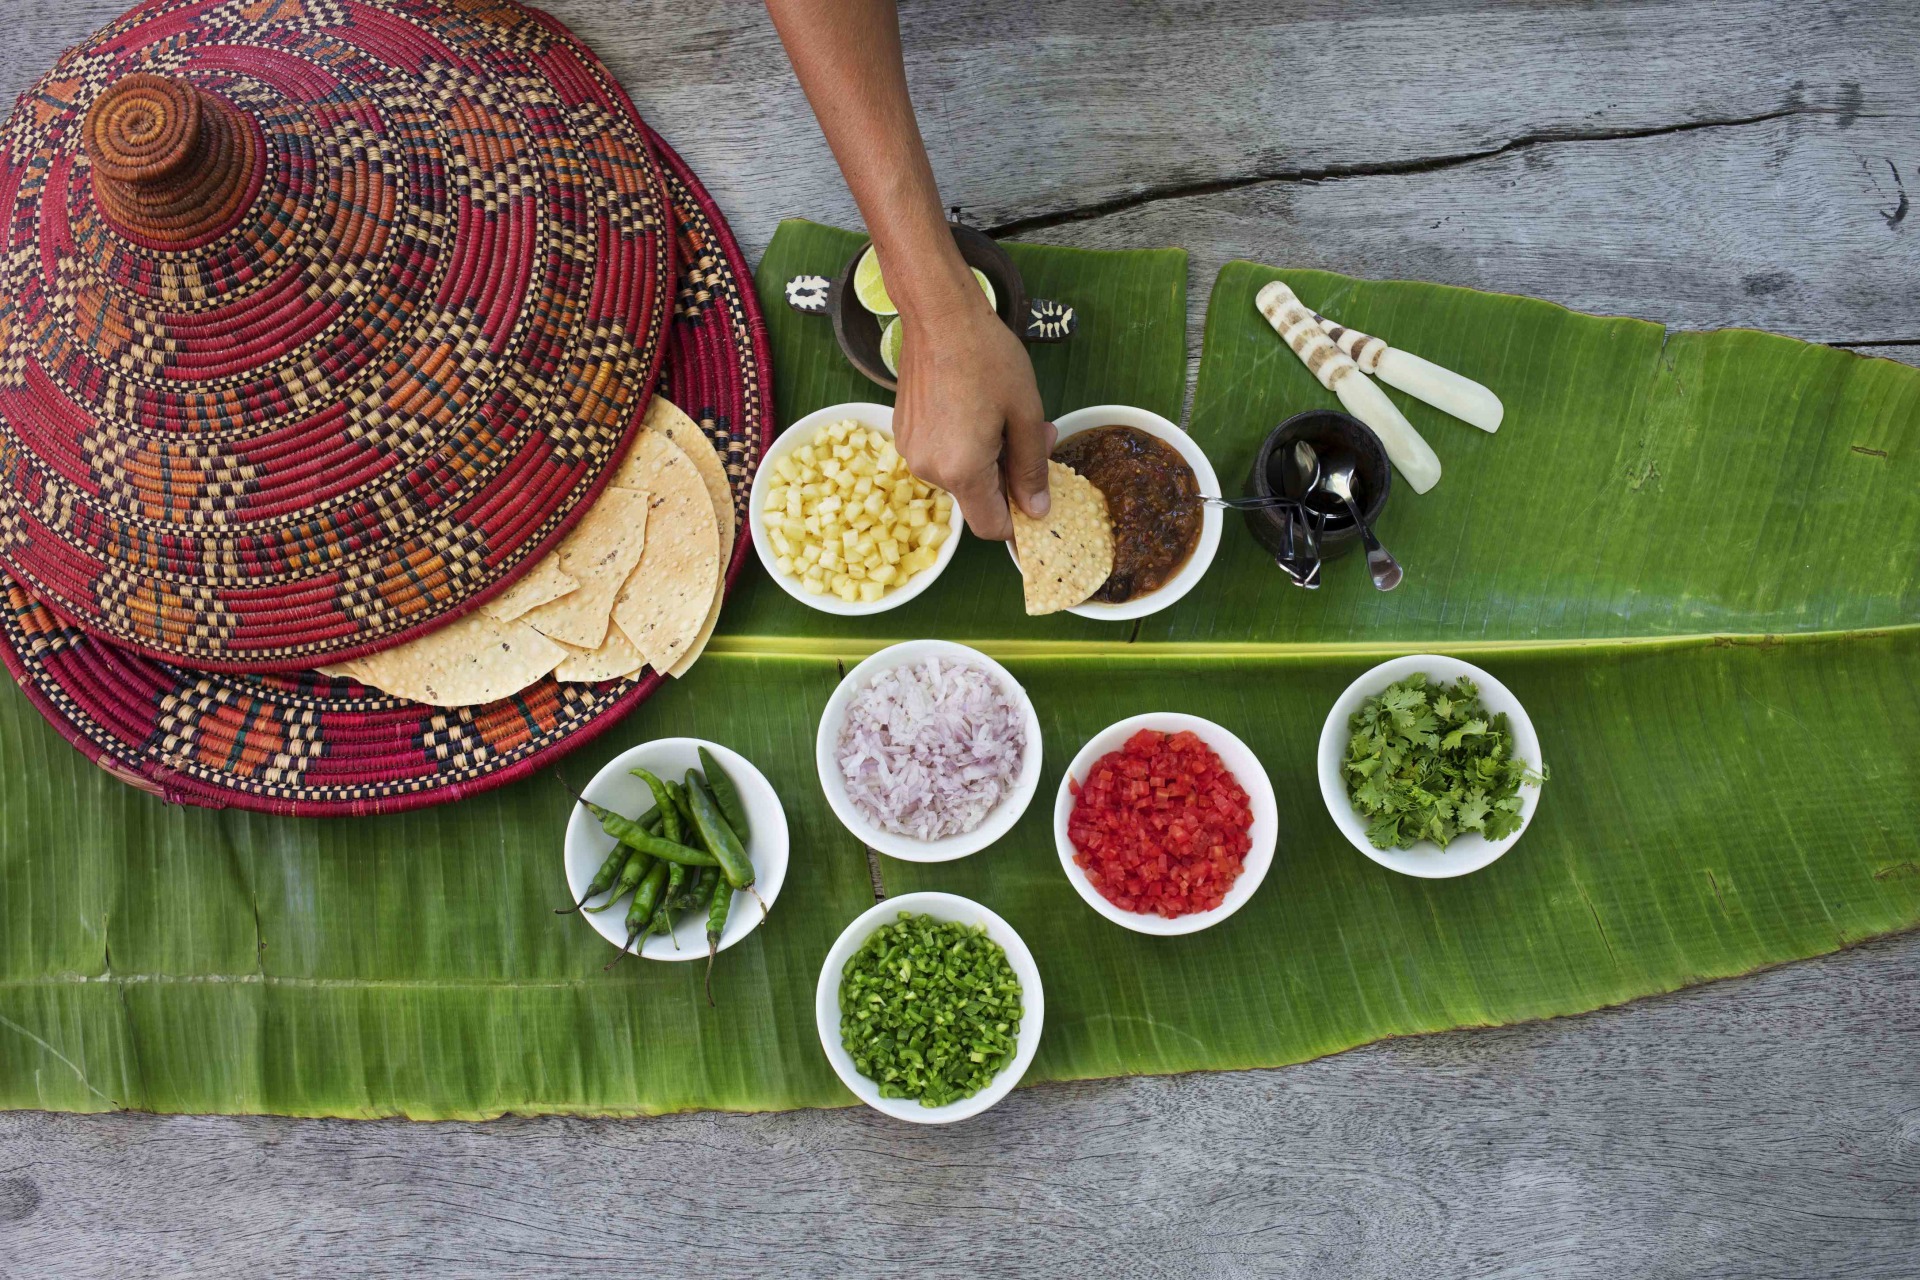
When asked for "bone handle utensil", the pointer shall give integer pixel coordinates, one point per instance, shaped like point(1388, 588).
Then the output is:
point(1339, 374)
point(1440, 387)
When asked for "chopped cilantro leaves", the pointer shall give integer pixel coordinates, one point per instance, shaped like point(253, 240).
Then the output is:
point(1428, 763)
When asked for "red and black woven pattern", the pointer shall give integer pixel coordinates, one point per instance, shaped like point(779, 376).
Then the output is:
point(319, 319)
point(308, 745)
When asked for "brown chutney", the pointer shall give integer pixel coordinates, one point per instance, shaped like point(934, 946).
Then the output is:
point(1152, 499)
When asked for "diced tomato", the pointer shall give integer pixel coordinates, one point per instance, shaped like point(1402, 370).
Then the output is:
point(1160, 826)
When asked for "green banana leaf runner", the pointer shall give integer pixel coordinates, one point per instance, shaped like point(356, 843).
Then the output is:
point(1688, 554)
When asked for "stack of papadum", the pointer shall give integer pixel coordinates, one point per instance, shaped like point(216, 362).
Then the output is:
point(1065, 557)
point(636, 583)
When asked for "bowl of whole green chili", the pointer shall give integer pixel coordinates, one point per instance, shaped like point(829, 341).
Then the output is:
point(929, 1007)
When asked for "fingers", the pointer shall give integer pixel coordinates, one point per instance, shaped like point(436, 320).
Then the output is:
point(984, 503)
point(1028, 444)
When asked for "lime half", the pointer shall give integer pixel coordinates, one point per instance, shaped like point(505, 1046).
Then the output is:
point(890, 339)
point(986, 287)
point(870, 287)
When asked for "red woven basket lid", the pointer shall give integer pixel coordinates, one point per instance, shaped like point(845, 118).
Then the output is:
point(304, 744)
point(319, 319)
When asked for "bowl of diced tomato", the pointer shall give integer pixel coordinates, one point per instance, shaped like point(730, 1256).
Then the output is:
point(1166, 823)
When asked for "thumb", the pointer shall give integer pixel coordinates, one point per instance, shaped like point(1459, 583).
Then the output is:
point(1028, 445)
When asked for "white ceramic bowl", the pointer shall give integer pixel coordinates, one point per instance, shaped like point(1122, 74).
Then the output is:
point(1245, 766)
point(1120, 415)
point(617, 789)
point(942, 906)
point(998, 821)
point(875, 416)
point(1466, 853)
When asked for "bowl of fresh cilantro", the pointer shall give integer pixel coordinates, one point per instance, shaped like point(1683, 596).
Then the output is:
point(1430, 766)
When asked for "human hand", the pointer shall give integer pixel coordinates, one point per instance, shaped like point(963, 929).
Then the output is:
point(968, 416)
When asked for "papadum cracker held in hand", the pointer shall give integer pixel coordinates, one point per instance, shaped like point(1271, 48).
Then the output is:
point(1066, 556)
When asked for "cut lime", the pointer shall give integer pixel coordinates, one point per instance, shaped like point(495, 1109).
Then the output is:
point(890, 339)
point(986, 287)
point(870, 287)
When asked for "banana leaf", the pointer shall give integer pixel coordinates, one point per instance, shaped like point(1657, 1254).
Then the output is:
point(1720, 659)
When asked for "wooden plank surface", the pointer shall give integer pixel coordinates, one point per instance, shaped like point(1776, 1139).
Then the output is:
point(1699, 162)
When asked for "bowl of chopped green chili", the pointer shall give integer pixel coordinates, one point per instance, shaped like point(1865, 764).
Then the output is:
point(929, 1007)
point(1430, 766)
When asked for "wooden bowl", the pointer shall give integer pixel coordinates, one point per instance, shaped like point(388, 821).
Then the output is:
point(858, 330)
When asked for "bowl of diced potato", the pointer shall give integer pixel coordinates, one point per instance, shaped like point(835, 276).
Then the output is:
point(839, 521)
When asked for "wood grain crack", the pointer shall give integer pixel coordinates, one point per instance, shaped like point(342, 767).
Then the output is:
point(1395, 168)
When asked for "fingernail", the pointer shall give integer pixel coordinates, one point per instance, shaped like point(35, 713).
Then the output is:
point(1039, 504)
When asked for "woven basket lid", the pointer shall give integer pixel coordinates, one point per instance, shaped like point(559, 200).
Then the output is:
point(319, 319)
point(303, 744)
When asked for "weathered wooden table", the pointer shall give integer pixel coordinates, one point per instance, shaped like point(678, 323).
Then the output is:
point(1698, 162)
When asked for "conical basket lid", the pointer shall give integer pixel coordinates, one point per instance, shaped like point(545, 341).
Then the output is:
point(320, 320)
point(300, 743)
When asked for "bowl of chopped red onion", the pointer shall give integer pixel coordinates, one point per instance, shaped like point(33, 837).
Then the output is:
point(929, 751)
point(1178, 856)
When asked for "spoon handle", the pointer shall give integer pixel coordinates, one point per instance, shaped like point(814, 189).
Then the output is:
point(1381, 565)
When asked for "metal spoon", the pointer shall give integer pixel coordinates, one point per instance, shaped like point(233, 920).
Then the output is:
point(1337, 480)
point(1304, 478)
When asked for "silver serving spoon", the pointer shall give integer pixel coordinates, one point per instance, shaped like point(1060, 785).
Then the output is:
point(1337, 479)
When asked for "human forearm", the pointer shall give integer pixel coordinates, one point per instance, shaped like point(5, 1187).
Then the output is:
point(846, 54)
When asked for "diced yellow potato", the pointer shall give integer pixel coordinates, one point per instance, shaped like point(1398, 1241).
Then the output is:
point(849, 518)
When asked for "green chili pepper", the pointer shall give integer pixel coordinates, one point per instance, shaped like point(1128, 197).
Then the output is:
point(689, 832)
point(609, 871)
point(640, 914)
point(697, 889)
point(635, 870)
point(717, 908)
point(663, 913)
point(668, 851)
point(663, 803)
point(717, 835)
point(726, 796)
point(629, 832)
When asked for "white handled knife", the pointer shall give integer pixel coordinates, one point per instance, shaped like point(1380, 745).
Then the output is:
point(1300, 329)
point(1442, 388)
